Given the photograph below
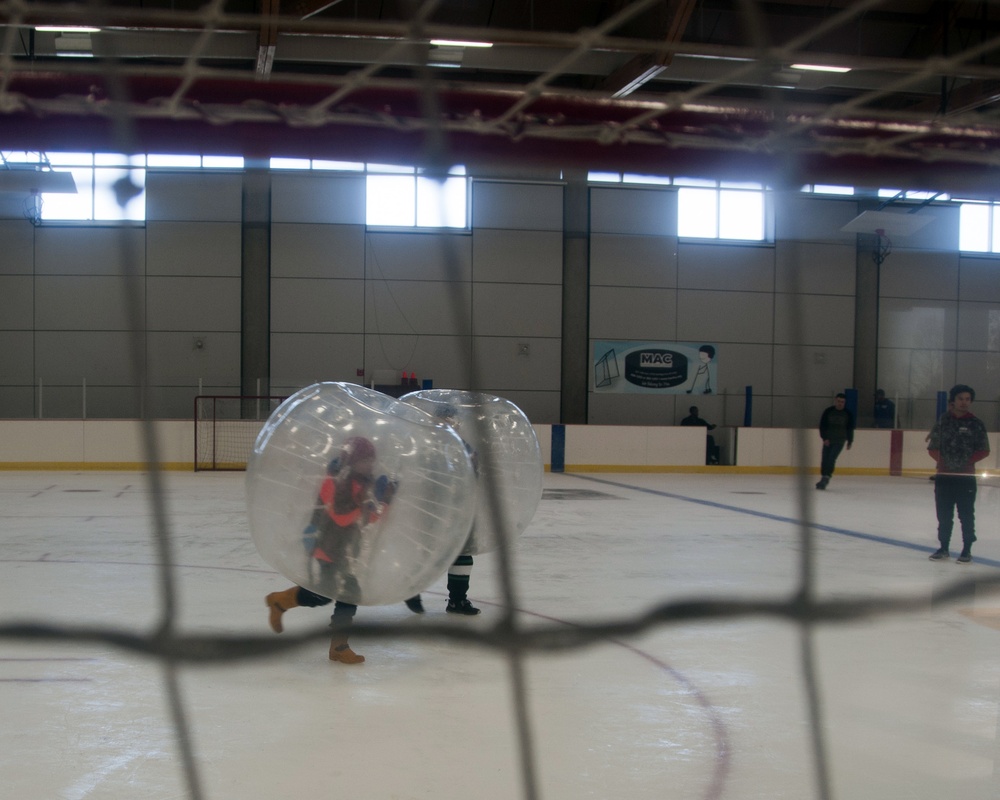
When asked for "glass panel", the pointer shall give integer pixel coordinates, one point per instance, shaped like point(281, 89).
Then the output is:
point(289, 163)
point(79, 206)
point(604, 177)
point(118, 160)
point(21, 157)
point(441, 204)
point(657, 180)
point(741, 185)
point(821, 188)
point(697, 213)
point(222, 162)
point(694, 182)
point(167, 160)
point(741, 215)
point(392, 168)
point(390, 200)
point(341, 166)
point(72, 159)
point(106, 204)
point(974, 227)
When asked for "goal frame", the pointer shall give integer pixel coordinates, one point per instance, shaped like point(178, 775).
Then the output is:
point(247, 415)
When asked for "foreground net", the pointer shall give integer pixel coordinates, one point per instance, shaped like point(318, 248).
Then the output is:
point(211, 104)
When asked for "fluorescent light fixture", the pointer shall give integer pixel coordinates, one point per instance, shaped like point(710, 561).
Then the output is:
point(66, 29)
point(444, 64)
point(459, 43)
point(820, 68)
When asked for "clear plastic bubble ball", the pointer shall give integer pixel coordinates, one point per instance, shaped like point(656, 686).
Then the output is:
point(400, 488)
point(505, 454)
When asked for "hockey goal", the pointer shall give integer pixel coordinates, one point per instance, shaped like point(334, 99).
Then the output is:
point(225, 428)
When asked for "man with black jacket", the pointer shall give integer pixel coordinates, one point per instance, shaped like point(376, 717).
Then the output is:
point(836, 429)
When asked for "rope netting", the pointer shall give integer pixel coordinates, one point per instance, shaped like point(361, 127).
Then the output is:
point(446, 122)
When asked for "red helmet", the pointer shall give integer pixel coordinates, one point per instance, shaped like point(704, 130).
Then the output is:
point(358, 448)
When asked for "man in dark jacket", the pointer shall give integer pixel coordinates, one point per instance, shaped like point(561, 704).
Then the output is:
point(957, 441)
point(836, 429)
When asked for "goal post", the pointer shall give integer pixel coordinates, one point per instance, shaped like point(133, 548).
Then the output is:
point(225, 428)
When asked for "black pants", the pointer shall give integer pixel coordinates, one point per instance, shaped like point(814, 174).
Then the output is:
point(342, 615)
point(829, 458)
point(951, 493)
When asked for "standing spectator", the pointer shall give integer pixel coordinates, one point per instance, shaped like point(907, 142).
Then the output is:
point(958, 440)
point(885, 411)
point(692, 419)
point(836, 429)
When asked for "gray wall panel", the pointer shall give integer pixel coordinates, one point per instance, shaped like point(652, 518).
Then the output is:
point(508, 370)
point(800, 217)
point(193, 248)
point(304, 197)
point(919, 273)
point(69, 357)
point(418, 256)
point(197, 195)
point(300, 305)
point(716, 266)
point(193, 304)
point(503, 309)
point(89, 251)
point(517, 256)
point(175, 360)
point(17, 358)
point(725, 317)
point(16, 302)
point(418, 307)
point(17, 236)
point(299, 359)
point(649, 212)
point(979, 327)
point(317, 251)
point(979, 279)
point(517, 206)
point(627, 313)
point(815, 267)
point(820, 320)
point(919, 324)
point(617, 260)
point(795, 373)
point(76, 303)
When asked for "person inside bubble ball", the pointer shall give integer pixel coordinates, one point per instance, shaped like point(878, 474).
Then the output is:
point(460, 572)
point(349, 499)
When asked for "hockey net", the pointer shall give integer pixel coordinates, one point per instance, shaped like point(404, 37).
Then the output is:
point(225, 428)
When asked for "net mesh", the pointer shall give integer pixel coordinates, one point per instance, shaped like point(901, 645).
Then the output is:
point(126, 107)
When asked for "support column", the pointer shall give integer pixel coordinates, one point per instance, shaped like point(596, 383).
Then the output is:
point(575, 380)
point(867, 292)
point(255, 335)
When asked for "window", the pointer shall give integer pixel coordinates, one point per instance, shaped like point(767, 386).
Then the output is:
point(110, 187)
point(628, 177)
point(402, 197)
point(709, 209)
point(978, 227)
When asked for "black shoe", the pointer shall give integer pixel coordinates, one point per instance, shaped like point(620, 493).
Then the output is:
point(461, 607)
point(964, 558)
point(415, 604)
point(822, 483)
point(939, 554)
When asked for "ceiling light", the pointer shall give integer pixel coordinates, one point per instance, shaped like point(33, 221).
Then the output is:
point(821, 68)
point(66, 29)
point(459, 43)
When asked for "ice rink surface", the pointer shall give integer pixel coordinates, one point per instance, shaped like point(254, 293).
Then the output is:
point(908, 703)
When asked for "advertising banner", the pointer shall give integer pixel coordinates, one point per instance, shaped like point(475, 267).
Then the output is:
point(655, 367)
